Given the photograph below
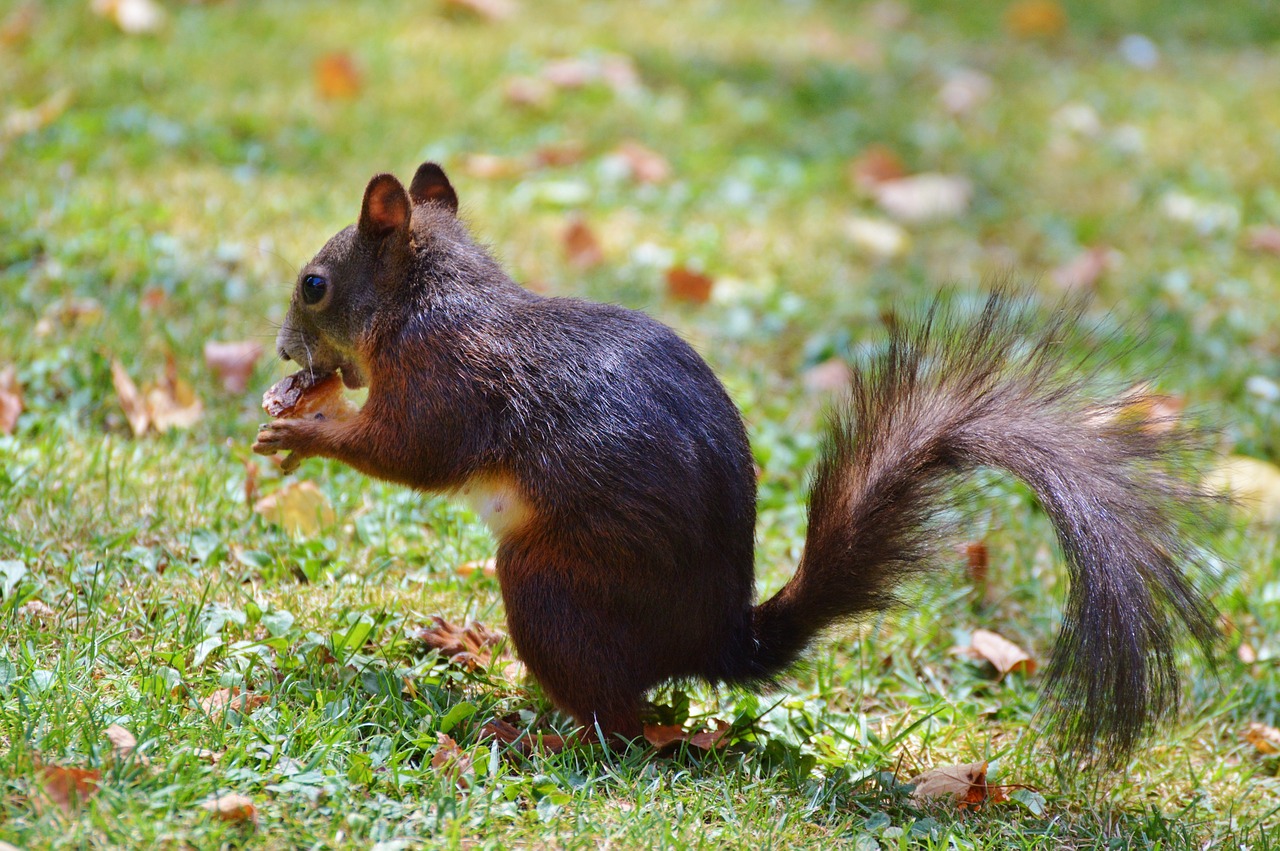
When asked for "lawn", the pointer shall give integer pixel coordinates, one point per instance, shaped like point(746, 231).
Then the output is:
point(160, 190)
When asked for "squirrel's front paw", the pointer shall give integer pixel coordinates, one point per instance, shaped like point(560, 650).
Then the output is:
point(283, 436)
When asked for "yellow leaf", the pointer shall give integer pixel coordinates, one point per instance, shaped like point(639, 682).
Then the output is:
point(300, 508)
point(1001, 652)
point(1254, 485)
point(232, 807)
point(1265, 739)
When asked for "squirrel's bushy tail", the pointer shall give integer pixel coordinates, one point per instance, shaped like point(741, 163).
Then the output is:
point(1000, 392)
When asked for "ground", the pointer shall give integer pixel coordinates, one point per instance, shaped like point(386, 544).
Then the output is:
point(159, 190)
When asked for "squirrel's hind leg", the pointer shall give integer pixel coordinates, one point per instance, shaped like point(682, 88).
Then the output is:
point(563, 633)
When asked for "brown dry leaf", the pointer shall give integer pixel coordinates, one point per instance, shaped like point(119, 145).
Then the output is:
point(488, 10)
point(528, 91)
point(1035, 19)
point(206, 755)
point(337, 76)
point(20, 122)
point(684, 284)
point(495, 167)
point(569, 73)
point(37, 609)
point(875, 165)
point(233, 363)
point(714, 739)
point(1264, 238)
point(964, 784)
point(171, 403)
point(663, 735)
point(1083, 271)
point(831, 376)
point(581, 248)
point(10, 399)
point(232, 807)
point(71, 313)
point(1265, 739)
point(645, 165)
point(300, 508)
point(562, 154)
point(977, 561)
point(450, 761)
point(1001, 652)
point(231, 698)
point(131, 399)
point(1254, 484)
point(134, 17)
point(122, 741)
point(924, 197)
point(470, 646)
point(487, 566)
point(17, 27)
point(69, 787)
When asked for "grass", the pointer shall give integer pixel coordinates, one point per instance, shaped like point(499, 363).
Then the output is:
point(200, 167)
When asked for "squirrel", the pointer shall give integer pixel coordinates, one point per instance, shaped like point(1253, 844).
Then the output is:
point(616, 475)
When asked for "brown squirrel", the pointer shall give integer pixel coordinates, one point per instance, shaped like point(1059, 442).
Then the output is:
point(616, 474)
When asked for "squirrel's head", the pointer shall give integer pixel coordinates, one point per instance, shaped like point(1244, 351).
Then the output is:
point(337, 298)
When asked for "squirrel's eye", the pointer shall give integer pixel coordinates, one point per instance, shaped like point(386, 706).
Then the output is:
point(313, 288)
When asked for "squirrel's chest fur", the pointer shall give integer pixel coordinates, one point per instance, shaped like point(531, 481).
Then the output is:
point(498, 501)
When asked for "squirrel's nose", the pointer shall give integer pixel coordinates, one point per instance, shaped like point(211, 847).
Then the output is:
point(283, 354)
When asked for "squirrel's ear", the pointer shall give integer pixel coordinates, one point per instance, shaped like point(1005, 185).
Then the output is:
point(386, 207)
point(430, 185)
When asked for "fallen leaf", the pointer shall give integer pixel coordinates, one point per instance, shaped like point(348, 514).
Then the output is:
point(1265, 739)
point(131, 399)
point(581, 247)
point(569, 73)
point(171, 403)
point(337, 77)
point(154, 298)
point(1253, 484)
point(450, 761)
point(875, 165)
point(69, 313)
point(524, 741)
point(528, 91)
point(233, 363)
point(299, 507)
point(17, 27)
point(879, 238)
point(1001, 652)
point(486, 566)
point(1035, 19)
point(1264, 238)
point(250, 482)
point(966, 785)
point(494, 167)
point(20, 122)
point(831, 376)
point(1084, 270)
point(488, 10)
point(714, 739)
point(470, 646)
point(977, 562)
point(964, 91)
point(684, 284)
point(122, 741)
point(224, 699)
point(643, 164)
point(69, 787)
point(925, 197)
point(232, 807)
point(37, 609)
point(134, 17)
point(206, 755)
point(663, 735)
point(563, 154)
point(10, 399)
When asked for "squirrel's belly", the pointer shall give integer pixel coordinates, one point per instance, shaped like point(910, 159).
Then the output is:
point(499, 503)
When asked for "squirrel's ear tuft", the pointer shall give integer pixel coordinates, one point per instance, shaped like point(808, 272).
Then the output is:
point(430, 185)
point(386, 207)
